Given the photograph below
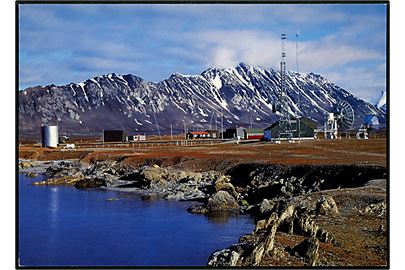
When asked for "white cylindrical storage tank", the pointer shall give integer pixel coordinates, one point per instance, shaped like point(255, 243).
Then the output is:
point(49, 136)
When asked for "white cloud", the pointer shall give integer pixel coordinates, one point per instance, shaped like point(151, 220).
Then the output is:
point(189, 38)
point(225, 48)
point(223, 57)
point(364, 83)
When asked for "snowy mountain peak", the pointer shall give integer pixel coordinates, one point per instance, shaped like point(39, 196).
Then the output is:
point(241, 94)
point(382, 102)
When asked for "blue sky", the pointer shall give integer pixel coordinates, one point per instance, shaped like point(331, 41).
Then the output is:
point(71, 43)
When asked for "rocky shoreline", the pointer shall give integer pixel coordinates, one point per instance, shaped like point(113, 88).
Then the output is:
point(287, 201)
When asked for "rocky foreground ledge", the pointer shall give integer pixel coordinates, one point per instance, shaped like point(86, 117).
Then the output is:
point(328, 215)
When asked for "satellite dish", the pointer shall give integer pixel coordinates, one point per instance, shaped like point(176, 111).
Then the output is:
point(345, 114)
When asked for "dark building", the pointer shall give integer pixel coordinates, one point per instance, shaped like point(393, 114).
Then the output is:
point(253, 133)
point(307, 127)
point(117, 135)
point(213, 134)
point(197, 135)
point(234, 133)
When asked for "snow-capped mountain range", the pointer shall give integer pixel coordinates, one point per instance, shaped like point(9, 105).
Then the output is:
point(244, 95)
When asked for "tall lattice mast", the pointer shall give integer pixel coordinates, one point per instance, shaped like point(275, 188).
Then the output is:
point(299, 92)
point(286, 130)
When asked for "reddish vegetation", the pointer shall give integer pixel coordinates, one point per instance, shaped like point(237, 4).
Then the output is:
point(352, 151)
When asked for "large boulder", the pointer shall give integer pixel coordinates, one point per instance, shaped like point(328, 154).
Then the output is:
point(222, 201)
point(223, 258)
point(266, 206)
point(326, 205)
point(154, 174)
point(26, 164)
point(90, 183)
point(224, 183)
point(309, 250)
point(32, 174)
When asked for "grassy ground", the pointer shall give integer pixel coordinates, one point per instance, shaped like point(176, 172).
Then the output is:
point(345, 151)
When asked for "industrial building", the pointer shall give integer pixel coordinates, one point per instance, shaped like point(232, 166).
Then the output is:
point(213, 134)
point(238, 132)
point(116, 135)
point(49, 135)
point(307, 127)
point(253, 133)
point(138, 137)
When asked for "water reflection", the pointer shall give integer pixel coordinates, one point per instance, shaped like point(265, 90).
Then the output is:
point(54, 205)
point(222, 217)
point(63, 226)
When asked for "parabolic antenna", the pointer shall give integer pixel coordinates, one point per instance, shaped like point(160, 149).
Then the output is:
point(345, 114)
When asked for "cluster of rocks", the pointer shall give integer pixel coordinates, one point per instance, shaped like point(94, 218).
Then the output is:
point(273, 195)
point(379, 209)
point(288, 217)
point(282, 187)
point(63, 180)
point(224, 197)
point(169, 183)
point(148, 180)
point(26, 164)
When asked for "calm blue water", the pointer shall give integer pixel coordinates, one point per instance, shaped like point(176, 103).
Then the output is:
point(63, 226)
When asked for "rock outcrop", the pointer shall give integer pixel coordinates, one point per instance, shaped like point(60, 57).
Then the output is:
point(326, 205)
point(309, 250)
point(224, 258)
point(26, 164)
point(291, 218)
point(379, 209)
point(90, 183)
point(64, 180)
point(222, 201)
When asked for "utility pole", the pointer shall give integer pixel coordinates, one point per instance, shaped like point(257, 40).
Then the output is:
point(157, 125)
point(60, 126)
point(212, 114)
point(299, 93)
point(171, 130)
point(222, 124)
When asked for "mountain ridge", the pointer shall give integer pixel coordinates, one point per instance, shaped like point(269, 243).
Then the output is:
point(382, 102)
point(244, 95)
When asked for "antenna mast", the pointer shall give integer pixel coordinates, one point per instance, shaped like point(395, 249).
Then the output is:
point(285, 121)
point(299, 92)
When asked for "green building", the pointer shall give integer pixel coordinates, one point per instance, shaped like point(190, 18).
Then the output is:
point(307, 127)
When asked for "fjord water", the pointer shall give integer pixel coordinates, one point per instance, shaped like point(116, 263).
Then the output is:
point(63, 226)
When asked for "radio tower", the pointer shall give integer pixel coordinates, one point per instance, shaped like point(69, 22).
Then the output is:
point(285, 120)
point(299, 93)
